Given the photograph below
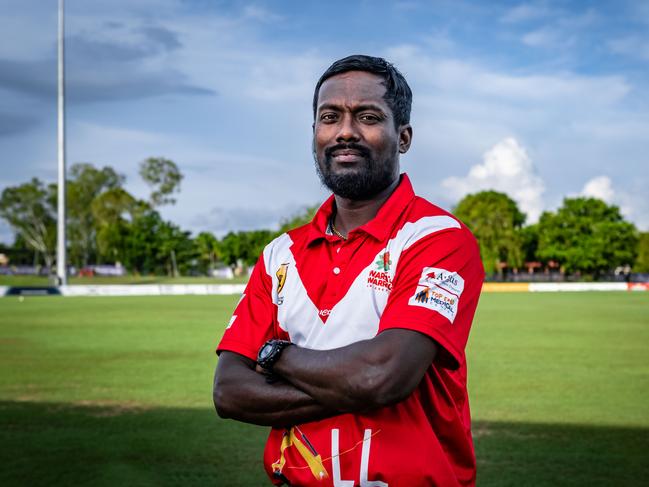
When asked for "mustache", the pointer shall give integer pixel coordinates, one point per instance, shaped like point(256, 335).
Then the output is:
point(361, 149)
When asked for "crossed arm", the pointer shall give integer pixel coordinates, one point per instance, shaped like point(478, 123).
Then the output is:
point(315, 384)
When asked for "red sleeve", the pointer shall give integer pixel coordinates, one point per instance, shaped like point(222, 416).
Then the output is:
point(436, 289)
point(252, 322)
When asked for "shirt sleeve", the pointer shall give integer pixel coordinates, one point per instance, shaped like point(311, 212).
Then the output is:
point(254, 318)
point(435, 291)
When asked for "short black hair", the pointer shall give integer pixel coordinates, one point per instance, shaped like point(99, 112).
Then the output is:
point(398, 95)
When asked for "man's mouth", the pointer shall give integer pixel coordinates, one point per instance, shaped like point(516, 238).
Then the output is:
point(347, 156)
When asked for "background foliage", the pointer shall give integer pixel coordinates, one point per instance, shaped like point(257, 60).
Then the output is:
point(107, 224)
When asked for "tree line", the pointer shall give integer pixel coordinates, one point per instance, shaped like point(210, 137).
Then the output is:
point(584, 236)
point(107, 224)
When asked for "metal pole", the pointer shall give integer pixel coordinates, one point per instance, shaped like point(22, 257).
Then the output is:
point(61, 272)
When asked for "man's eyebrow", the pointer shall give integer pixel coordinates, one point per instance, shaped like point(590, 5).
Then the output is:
point(369, 106)
point(359, 108)
point(328, 106)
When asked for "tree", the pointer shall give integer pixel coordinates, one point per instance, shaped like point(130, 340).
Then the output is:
point(147, 244)
point(207, 247)
point(246, 246)
point(496, 221)
point(20, 253)
point(175, 250)
point(30, 209)
point(586, 235)
point(86, 183)
point(642, 261)
point(113, 211)
point(164, 178)
point(530, 242)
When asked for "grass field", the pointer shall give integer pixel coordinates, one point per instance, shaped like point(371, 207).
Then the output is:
point(117, 391)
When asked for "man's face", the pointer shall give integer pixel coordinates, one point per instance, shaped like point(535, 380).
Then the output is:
point(355, 142)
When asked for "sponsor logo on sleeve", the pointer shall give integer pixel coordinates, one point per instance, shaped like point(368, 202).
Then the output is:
point(439, 290)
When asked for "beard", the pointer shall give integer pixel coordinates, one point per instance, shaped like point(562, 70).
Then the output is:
point(368, 178)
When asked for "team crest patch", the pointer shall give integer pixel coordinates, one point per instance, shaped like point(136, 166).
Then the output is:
point(383, 263)
point(380, 277)
point(439, 290)
point(281, 277)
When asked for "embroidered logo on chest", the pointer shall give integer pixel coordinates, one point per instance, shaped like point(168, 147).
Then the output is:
point(281, 273)
point(380, 277)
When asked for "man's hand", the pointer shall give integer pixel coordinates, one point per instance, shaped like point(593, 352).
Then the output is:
point(269, 376)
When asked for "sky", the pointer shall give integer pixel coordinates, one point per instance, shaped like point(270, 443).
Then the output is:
point(541, 100)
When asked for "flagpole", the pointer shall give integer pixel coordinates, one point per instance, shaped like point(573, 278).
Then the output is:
point(61, 272)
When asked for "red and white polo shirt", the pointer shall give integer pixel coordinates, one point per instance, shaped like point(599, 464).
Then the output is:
point(413, 266)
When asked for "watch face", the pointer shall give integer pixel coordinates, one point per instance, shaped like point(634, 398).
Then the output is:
point(265, 351)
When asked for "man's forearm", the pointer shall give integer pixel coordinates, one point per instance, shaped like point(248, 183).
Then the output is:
point(362, 376)
point(241, 393)
point(333, 377)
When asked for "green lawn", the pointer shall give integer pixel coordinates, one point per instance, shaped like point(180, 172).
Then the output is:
point(30, 281)
point(117, 391)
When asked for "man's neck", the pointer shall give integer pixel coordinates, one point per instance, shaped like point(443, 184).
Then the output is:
point(351, 214)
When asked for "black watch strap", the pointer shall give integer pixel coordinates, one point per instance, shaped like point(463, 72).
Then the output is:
point(270, 352)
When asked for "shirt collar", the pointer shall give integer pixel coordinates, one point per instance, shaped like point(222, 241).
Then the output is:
point(378, 227)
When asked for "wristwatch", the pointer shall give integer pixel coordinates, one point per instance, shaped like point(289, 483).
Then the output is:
point(270, 352)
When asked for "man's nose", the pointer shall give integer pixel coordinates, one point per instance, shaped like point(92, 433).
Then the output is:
point(347, 130)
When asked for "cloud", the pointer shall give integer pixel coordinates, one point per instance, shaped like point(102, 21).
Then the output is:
point(221, 220)
point(119, 43)
point(11, 124)
point(564, 29)
point(112, 61)
point(38, 79)
point(633, 46)
point(526, 12)
point(474, 79)
point(278, 77)
point(257, 12)
point(599, 187)
point(162, 36)
point(506, 167)
point(546, 37)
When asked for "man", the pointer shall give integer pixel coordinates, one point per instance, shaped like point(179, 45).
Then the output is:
point(349, 339)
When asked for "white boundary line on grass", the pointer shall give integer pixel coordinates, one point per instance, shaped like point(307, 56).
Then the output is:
point(151, 289)
point(577, 286)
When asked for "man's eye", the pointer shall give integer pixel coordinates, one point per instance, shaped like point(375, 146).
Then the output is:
point(328, 117)
point(368, 117)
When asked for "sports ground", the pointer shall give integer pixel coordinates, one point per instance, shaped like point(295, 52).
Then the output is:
point(117, 391)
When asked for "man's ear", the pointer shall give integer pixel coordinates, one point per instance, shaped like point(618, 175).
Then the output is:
point(405, 138)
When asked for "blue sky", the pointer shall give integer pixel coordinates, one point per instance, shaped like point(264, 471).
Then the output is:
point(541, 100)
